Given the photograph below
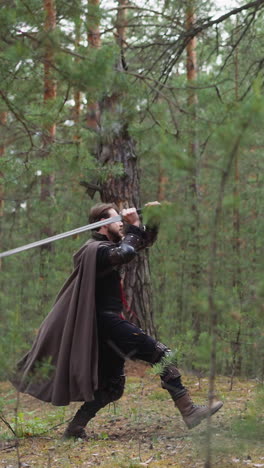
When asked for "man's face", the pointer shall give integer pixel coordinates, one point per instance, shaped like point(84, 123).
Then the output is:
point(114, 231)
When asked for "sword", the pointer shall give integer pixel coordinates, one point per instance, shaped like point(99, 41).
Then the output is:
point(88, 227)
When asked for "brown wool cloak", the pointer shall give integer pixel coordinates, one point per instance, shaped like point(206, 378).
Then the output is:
point(62, 365)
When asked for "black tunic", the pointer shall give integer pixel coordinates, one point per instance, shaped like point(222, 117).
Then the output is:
point(118, 338)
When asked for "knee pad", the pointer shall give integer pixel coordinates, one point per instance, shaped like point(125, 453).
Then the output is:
point(114, 389)
point(170, 373)
point(159, 352)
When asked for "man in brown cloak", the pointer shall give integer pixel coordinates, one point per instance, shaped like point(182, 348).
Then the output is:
point(81, 347)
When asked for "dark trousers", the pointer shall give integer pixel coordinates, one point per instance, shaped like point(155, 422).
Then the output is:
point(118, 341)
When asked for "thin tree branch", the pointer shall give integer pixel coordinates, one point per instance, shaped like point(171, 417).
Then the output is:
point(11, 108)
point(234, 46)
point(8, 425)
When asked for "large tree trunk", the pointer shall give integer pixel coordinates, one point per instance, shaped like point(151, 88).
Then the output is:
point(124, 191)
point(118, 148)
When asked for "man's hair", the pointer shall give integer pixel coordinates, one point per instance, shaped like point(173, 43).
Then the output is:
point(101, 210)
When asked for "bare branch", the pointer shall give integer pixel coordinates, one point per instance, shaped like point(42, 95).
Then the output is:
point(11, 108)
point(7, 424)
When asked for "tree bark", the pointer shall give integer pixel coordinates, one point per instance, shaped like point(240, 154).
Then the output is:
point(47, 181)
point(49, 131)
point(3, 121)
point(237, 280)
point(119, 149)
point(124, 192)
point(94, 41)
point(236, 212)
point(194, 245)
point(212, 306)
point(77, 93)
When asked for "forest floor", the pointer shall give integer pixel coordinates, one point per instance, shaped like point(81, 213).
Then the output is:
point(142, 429)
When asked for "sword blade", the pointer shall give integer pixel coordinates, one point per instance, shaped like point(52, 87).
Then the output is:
point(88, 227)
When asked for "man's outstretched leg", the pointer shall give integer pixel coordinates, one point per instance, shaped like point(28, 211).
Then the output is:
point(130, 341)
point(192, 414)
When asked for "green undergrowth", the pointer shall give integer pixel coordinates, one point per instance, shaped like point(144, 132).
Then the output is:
point(249, 426)
point(141, 429)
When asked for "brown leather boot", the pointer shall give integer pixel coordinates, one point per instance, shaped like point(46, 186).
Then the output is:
point(193, 414)
point(75, 432)
point(86, 412)
point(112, 391)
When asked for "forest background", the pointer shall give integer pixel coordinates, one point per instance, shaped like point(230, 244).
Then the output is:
point(132, 102)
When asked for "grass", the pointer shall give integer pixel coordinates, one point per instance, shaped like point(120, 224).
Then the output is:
point(142, 429)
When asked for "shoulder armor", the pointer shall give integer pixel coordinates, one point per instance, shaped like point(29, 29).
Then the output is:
point(121, 254)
